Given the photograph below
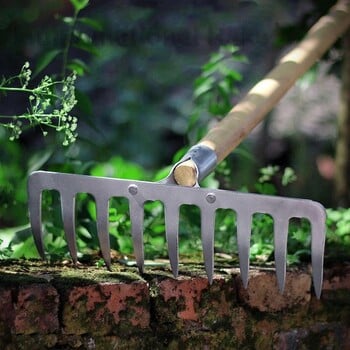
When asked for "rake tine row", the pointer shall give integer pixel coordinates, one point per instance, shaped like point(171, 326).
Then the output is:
point(138, 192)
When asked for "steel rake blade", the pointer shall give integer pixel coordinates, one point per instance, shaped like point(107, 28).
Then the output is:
point(207, 230)
point(244, 219)
point(102, 221)
point(138, 192)
point(68, 217)
point(136, 216)
point(172, 236)
point(280, 246)
point(34, 205)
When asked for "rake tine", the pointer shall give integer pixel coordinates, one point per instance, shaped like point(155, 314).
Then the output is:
point(136, 217)
point(207, 231)
point(243, 239)
point(172, 234)
point(68, 217)
point(280, 246)
point(34, 200)
point(102, 220)
point(318, 232)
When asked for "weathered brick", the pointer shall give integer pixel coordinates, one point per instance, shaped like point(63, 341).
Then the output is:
point(32, 342)
point(319, 336)
point(186, 293)
point(36, 309)
point(263, 294)
point(106, 308)
point(337, 278)
point(194, 300)
point(186, 312)
point(239, 324)
point(6, 311)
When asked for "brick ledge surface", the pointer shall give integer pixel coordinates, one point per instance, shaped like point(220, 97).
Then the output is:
point(89, 308)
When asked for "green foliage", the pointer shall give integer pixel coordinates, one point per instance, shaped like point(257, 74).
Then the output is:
point(45, 103)
point(216, 85)
point(338, 232)
point(51, 102)
point(215, 88)
point(273, 173)
point(49, 105)
point(5, 252)
point(79, 4)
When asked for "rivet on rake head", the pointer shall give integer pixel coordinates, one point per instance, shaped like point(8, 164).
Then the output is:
point(211, 198)
point(133, 189)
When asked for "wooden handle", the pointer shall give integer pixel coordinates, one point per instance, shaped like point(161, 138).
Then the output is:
point(225, 136)
point(185, 174)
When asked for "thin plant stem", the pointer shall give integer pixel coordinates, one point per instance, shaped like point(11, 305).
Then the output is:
point(68, 44)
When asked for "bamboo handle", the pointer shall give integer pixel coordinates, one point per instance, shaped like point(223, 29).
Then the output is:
point(259, 101)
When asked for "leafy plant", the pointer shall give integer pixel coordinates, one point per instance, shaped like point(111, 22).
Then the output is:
point(212, 96)
point(272, 173)
point(51, 101)
point(217, 82)
point(338, 231)
point(5, 252)
point(49, 105)
point(215, 88)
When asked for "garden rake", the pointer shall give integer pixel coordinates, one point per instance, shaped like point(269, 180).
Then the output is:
point(182, 184)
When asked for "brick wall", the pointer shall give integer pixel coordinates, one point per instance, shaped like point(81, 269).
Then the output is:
point(42, 307)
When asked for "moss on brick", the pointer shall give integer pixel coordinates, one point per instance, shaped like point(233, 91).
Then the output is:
point(192, 315)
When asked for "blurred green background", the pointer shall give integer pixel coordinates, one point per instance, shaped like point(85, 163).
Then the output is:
point(139, 65)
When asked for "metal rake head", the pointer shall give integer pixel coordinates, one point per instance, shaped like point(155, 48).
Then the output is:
point(208, 200)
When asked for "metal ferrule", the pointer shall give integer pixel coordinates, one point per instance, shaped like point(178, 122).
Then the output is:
point(203, 157)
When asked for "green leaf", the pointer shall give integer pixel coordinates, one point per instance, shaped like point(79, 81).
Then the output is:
point(203, 86)
point(91, 207)
point(268, 172)
point(265, 188)
point(82, 36)
point(234, 76)
point(288, 176)
point(230, 48)
point(92, 23)
point(78, 66)
point(45, 60)
point(87, 46)
point(334, 215)
point(68, 20)
point(79, 4)
point(26, 249)
point(83, 232)
point(216, 57)
point(344, 229)
point(158, 228)
point(158, 240)
point(292, 259)
point(162, 173)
